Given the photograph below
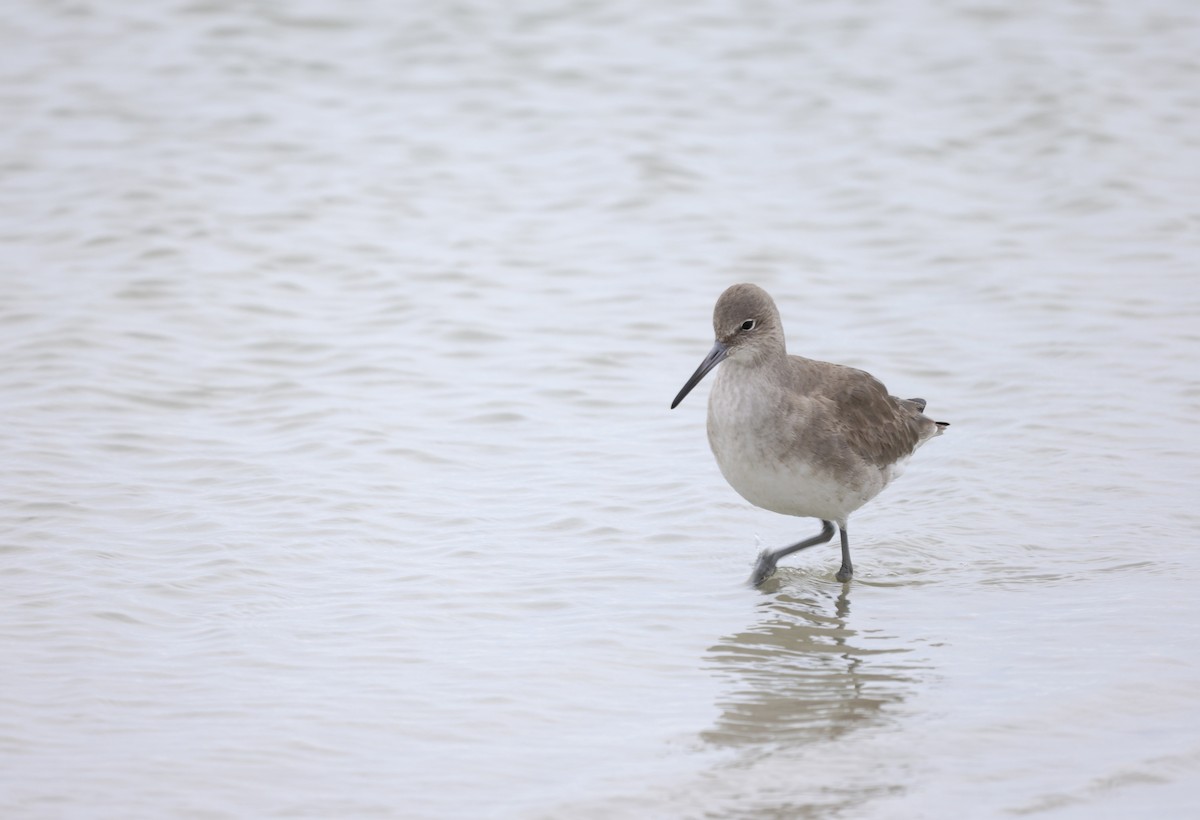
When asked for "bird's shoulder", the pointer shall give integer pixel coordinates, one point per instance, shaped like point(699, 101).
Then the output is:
point(839, 384)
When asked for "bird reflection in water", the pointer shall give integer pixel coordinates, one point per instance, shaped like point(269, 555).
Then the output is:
point(802, 674)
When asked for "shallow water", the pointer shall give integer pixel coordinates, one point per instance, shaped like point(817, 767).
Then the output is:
point(339, 478)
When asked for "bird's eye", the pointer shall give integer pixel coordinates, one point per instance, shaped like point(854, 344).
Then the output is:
point(748, 324)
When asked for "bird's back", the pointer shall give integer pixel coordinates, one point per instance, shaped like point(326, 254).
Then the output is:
point(851, 411)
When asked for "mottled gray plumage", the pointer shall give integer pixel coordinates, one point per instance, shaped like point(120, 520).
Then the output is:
point(795, 435)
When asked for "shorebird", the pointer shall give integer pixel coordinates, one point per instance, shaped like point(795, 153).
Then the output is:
point(797, 436)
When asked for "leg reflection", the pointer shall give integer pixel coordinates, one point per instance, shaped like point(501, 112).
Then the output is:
point(802, 674)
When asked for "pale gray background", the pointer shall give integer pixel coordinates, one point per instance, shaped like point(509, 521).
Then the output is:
point(337, 473)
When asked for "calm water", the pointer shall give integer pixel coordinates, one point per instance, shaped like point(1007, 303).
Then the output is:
point(338, 476)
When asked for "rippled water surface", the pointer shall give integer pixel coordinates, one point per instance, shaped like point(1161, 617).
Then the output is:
point(338, 475)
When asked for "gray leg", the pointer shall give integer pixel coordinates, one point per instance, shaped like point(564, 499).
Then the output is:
point(767, 559)
point(847, 571)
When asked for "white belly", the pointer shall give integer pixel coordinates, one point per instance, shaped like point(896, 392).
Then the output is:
point(795, 487)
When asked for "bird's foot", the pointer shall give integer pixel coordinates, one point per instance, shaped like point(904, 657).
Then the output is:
point(845, 573)
point(764, 569)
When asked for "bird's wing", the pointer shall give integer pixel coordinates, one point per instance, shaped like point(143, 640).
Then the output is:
point(874, 425)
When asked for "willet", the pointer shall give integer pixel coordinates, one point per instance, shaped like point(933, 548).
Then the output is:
point(798, 436)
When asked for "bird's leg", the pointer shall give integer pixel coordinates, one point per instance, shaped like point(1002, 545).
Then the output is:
point(767, 559)
point(847, 571)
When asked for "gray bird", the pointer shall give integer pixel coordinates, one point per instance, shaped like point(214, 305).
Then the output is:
point(798, 436)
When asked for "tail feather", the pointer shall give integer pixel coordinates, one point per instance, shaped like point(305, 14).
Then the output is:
point(920, 405)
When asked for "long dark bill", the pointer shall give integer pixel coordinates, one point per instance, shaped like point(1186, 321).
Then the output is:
point(714, 358)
